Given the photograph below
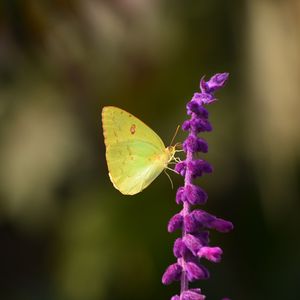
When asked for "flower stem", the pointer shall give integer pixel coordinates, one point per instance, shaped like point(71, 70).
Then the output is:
point(188, 175)
point(184, 279)
point(185, 212)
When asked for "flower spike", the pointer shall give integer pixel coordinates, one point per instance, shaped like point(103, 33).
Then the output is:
point(193, 245)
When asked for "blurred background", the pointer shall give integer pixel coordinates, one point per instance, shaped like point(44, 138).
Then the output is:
point(65, 232)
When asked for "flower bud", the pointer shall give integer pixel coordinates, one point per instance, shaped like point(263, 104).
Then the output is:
point(211, 253)
point(175, 222)
point(172, 273)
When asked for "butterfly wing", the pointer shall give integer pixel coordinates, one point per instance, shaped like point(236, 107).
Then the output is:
point(135, 154)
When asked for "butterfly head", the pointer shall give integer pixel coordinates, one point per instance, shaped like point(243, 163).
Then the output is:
point(171, 152)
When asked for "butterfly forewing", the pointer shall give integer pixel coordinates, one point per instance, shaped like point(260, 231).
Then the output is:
point(132, 149)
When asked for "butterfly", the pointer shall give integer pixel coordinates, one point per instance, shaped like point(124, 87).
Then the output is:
point(135, 154)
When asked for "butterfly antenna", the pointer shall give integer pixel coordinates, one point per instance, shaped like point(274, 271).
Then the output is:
point(178, 147)
point(174, 136)
point(169, 178)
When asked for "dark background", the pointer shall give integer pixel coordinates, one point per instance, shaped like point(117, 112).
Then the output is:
point(65, 232)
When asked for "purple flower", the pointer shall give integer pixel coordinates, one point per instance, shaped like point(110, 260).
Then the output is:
point(180, 195)
point(203, 236)
point(186, 125)
point(198, 125)
point(202, 217)
point(193, 245)
point(179, 248)
point(194, 106)
point(175, 222)
point(198, 167)
point(221, 225)
point(195, 144)
point(194, 294)
point(216, 82)
point(196, 271)
point(192, 194)
point(203, 98)
point(190, 224)
point(172, 273)
point(211, 253)
point(180, 168)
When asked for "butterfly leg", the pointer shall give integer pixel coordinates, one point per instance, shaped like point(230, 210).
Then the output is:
point(171, 170)
point(177, 159)
point(169, 177)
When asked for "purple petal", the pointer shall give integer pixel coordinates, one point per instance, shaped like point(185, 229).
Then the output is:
point(195, 144)
point(179, 248)
point(180, 168)
point(194, 194)
point(186, 125)
point(206, 167)
point(221, 225)
point(217, 81)
point(192, 243)
point(213, 254)
point(172, 273)
point(203, 236)
point(192, 295)
point(198, 167)
point(195, 290)
point(190, 224)
point(180, 195)
point(175, 223)
point(195, 106)
point(204, 98)
point(199, 125)
point(204, 88)
point(196, 271)
point(176, 297)
point(209, 221)
point(203, 217)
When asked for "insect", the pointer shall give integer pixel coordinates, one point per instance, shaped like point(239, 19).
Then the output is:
point(135, 154)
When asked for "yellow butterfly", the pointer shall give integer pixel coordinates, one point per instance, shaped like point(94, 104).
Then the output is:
point(135, 154)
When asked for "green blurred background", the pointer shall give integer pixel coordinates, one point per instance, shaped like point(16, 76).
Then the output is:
point(65, 232)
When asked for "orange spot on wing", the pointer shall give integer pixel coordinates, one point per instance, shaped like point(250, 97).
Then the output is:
point(132, 129)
